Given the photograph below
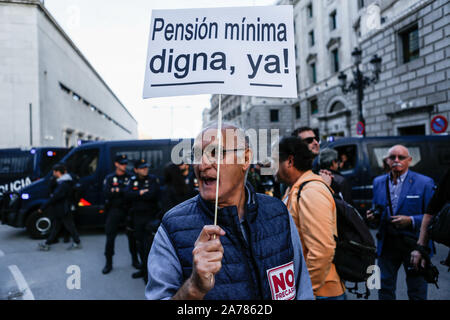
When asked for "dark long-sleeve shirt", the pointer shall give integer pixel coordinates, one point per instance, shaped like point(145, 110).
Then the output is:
point(441, 195)
point(59, 198)
point(115, 199)
point(147, 202)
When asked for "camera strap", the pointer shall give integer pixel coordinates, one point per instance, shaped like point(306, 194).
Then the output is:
point(388, 196)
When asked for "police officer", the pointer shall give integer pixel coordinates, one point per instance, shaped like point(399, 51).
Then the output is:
point(116, 209)
point(142, 192)
point(189, 178)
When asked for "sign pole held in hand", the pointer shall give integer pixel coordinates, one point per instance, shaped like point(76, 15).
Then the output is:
point(219, 154)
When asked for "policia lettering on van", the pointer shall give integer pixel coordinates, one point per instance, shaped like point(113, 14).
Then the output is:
point(19, 168)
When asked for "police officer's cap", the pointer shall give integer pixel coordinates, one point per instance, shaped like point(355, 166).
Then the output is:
point(121, 159)
point(141, 164)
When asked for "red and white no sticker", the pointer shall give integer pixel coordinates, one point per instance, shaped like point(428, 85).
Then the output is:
point(282, 282)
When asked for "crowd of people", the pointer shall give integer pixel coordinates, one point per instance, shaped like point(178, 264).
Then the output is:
point(260, 246)
point(136, 201)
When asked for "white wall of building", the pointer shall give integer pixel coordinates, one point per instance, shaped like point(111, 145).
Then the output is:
point(40, 60)
point(19, 81)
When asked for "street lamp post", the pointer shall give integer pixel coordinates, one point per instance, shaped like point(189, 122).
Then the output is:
point(360, 82)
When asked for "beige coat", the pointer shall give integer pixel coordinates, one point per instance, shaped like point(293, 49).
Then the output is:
point(315, 217)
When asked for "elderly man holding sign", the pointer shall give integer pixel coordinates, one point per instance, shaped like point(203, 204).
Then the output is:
point(254, 251)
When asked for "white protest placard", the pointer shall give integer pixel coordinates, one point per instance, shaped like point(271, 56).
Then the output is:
point(239, 51)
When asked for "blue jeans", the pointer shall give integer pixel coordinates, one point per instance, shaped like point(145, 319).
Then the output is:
point(341, 297)
point(389, 263)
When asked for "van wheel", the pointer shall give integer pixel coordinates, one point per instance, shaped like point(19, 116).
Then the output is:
point(38, 225)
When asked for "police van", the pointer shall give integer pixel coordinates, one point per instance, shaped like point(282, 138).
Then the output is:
point(20, 167)
point(90, 162)
point(362, 160)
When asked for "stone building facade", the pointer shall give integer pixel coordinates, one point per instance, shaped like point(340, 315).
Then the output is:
point(324, 41)
point(413, 87)
point(414, 41)
point(254, 112)
point(50, 95)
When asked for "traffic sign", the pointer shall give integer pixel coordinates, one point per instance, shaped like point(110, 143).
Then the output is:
point(439, 124)
point(360, 128)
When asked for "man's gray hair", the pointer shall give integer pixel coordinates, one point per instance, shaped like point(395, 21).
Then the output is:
point(237, 131)
point(326, 158)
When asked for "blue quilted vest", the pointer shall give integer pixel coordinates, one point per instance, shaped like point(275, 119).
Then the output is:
point(244, 266)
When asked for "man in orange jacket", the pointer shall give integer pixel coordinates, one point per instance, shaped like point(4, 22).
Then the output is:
point(314, 214)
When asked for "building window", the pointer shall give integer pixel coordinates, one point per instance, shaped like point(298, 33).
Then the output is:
point(313, 72)
point(360, 4)
point(337, 106)
point(64, 88)
point(312, 40)
point(309, 10)
point(274, 115)
point(333, 20)
point(297, 111)
point(410, 44)
point(314, 107)
point(76, 97)
point(335, 60)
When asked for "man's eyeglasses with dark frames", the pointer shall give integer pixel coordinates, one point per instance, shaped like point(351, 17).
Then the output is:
point(400, 157)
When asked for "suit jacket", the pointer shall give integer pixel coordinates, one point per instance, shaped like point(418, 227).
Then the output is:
point(415, 195)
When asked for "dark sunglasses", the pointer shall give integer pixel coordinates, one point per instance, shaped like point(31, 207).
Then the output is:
point(310, 139)
point(400, 157)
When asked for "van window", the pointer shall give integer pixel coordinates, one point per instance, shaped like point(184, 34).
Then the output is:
point(132, 157)
point(443, 153)
point(153, 157)
point(83, 162)
point(347, 157)
point(50, 158)
point(16, 163)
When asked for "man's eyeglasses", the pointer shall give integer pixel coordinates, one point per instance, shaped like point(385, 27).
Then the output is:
point(211, 154)
point(311, 139)
point(400, 157)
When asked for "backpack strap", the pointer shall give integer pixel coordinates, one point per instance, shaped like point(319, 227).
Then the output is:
point(332, 194)
point(304, 183)
point(388, 197)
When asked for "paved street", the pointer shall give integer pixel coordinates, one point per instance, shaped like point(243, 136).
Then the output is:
point(45, 272)
point(443, 293)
